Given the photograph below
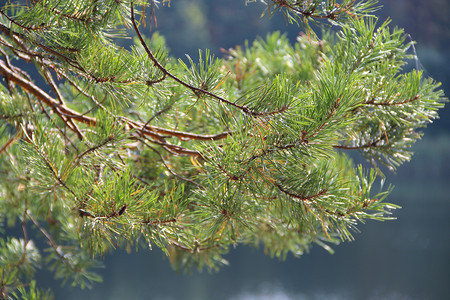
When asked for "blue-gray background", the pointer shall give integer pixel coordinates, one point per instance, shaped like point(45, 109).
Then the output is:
point(403, 259)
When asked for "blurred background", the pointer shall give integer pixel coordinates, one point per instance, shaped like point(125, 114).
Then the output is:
point(408, 258)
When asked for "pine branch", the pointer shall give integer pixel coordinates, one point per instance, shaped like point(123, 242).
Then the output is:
point(18, 37)
point(29, 86)
point(195, 90)
point(194, 157)
point(65, 112)
point(332, 14)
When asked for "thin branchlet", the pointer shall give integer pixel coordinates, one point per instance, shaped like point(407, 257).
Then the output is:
point(195, 90)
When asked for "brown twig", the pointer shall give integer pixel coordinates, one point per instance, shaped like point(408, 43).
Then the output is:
point(372, 144)
point(301, 196)
point(195, 90)
point(64, 112)
point(232, 177)
point(18, 37)
point(29, 86)
point(386, 103)
point(331, 15)
point(10, 141)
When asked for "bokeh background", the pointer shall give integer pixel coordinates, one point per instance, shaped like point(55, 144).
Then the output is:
point(404, 259)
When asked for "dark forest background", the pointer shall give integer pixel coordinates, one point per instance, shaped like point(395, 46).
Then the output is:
point(403, 259)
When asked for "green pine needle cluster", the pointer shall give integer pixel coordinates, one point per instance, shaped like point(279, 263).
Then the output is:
point(110, 146)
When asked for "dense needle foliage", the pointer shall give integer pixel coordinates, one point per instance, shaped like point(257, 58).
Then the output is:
point(106, 146)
